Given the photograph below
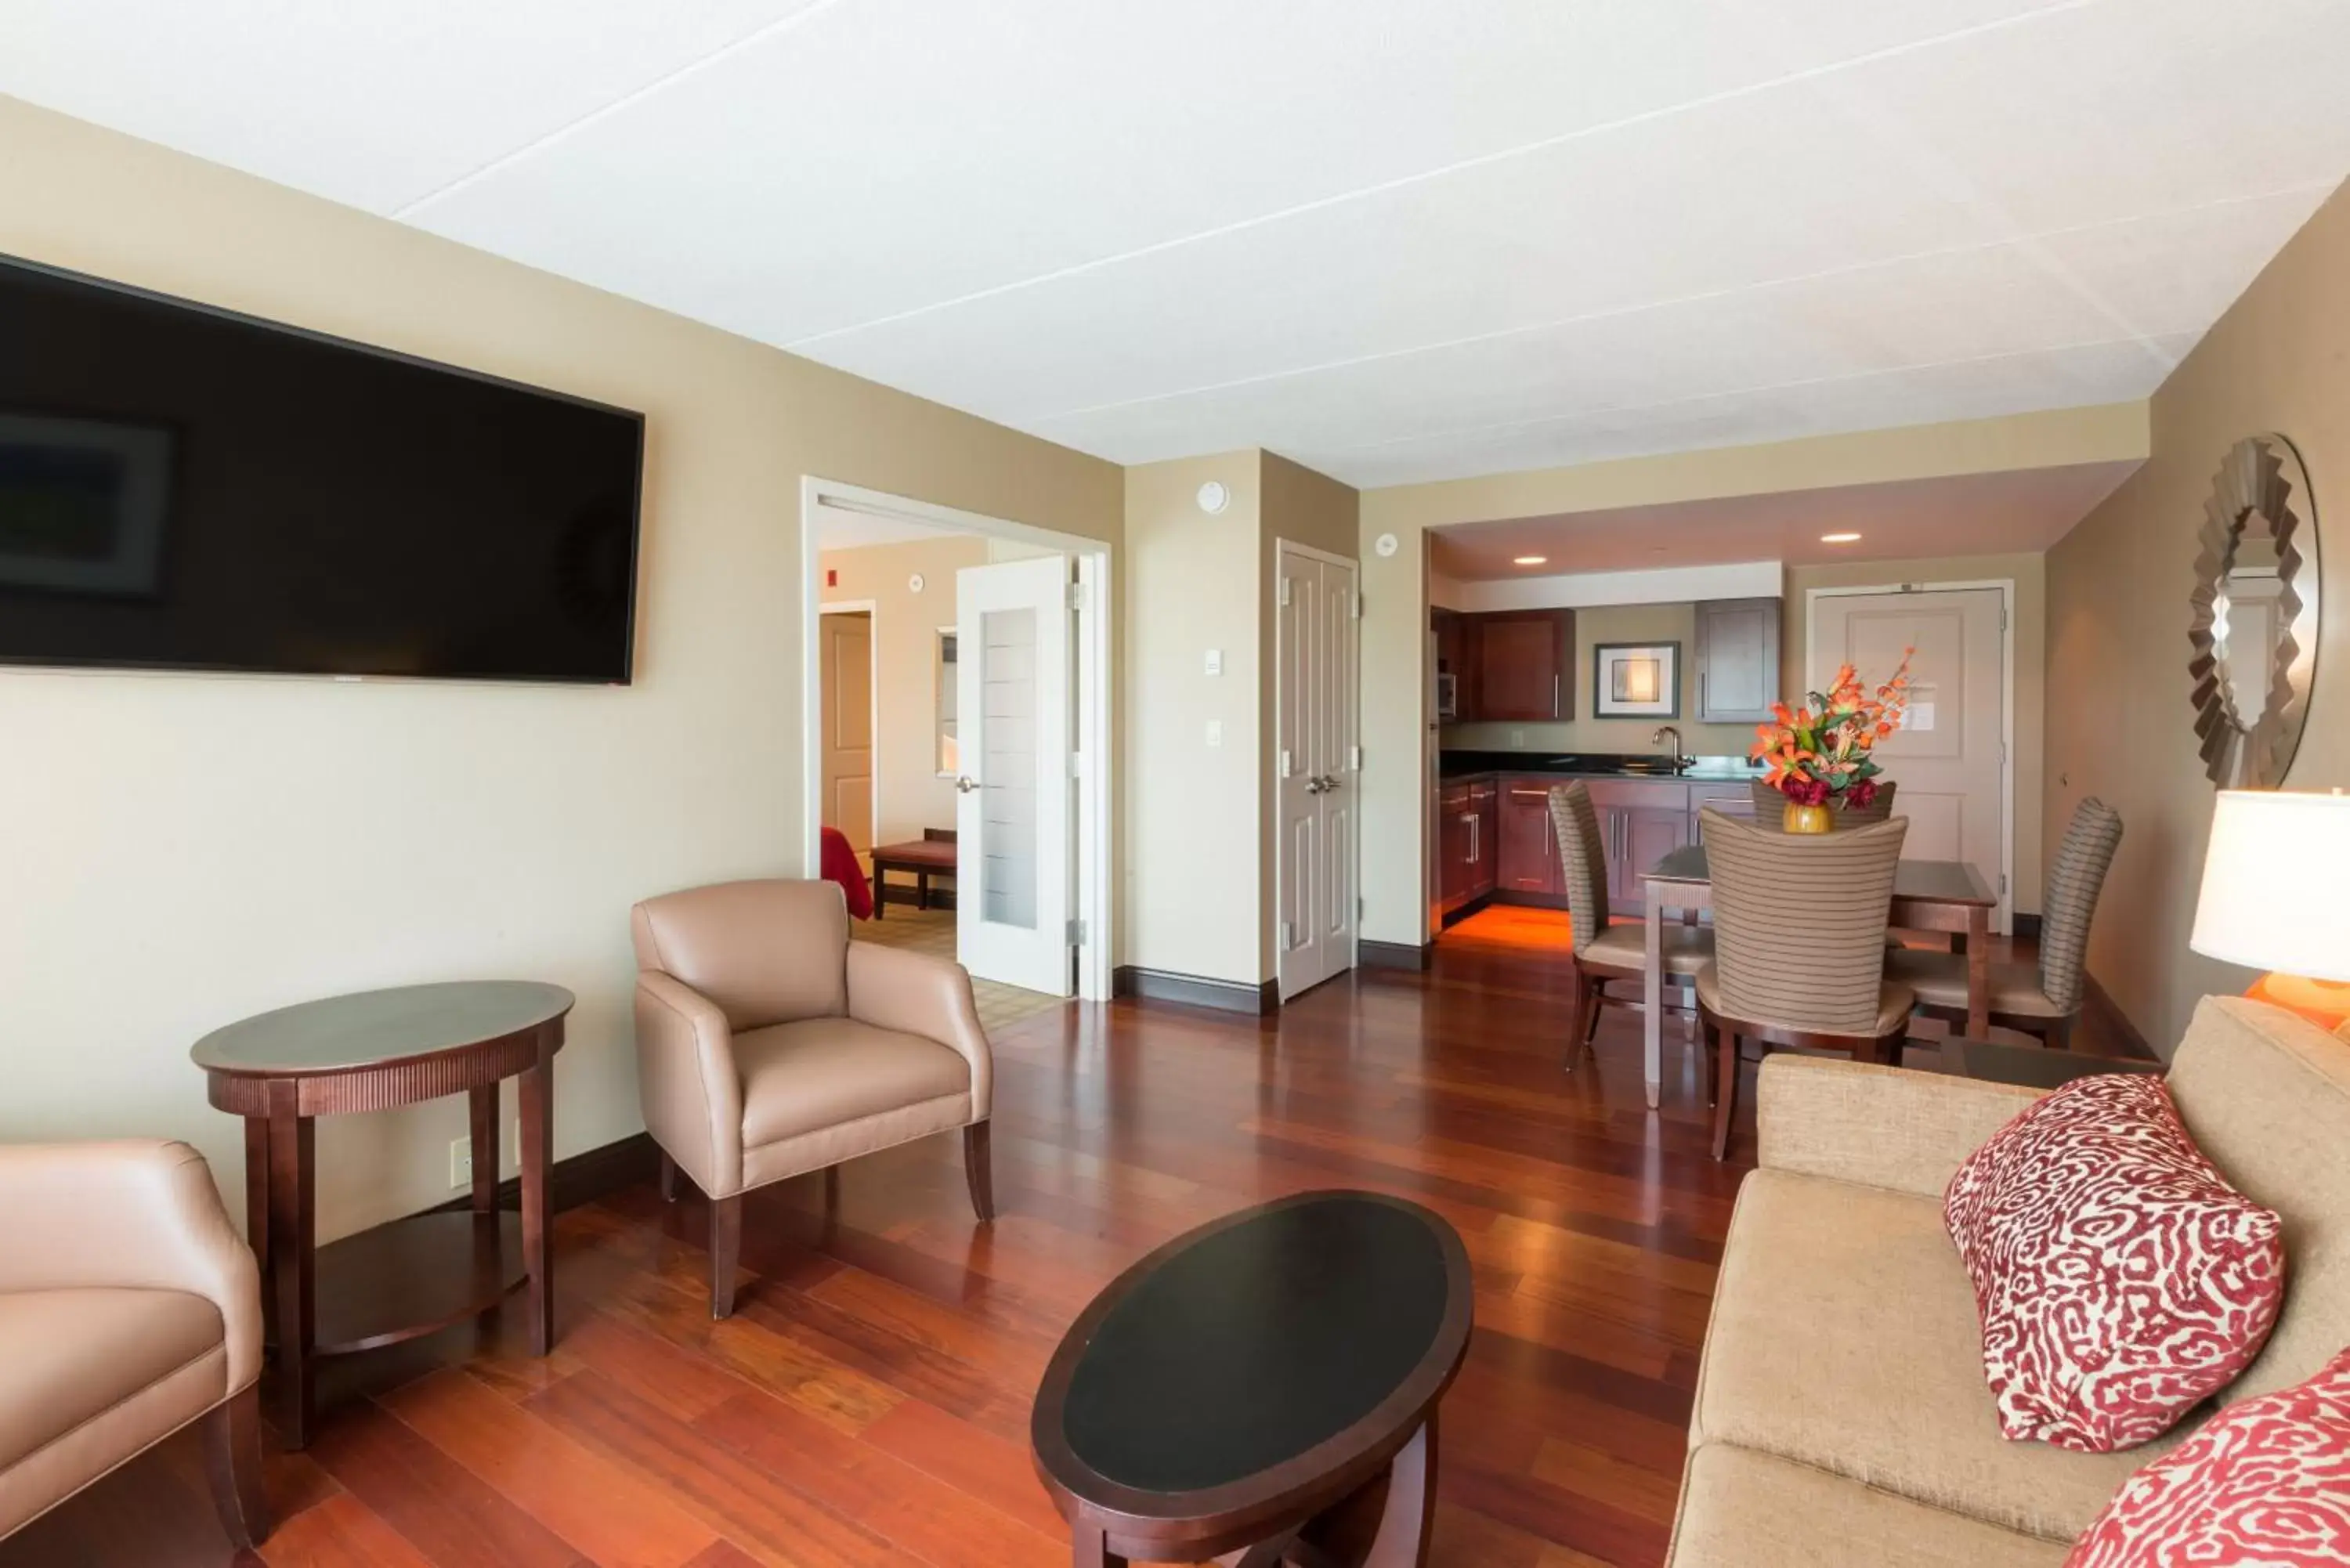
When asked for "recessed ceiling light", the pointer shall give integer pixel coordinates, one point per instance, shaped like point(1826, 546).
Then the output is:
point(1839, 538)
point(1528, 560)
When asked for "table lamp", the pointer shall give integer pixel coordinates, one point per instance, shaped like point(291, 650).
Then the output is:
point(2276, 896)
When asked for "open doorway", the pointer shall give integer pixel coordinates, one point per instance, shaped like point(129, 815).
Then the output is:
point(985, 793)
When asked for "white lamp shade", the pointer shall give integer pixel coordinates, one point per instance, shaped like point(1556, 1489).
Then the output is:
point(2276, 884)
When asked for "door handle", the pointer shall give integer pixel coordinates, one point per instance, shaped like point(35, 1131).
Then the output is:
point(966, 784)
point(1553, 712)
point(1329, 781)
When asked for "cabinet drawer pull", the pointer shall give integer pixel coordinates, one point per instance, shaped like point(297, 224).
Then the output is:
point(1554, 696)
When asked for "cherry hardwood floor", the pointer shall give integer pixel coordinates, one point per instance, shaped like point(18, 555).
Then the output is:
point(868, 1402)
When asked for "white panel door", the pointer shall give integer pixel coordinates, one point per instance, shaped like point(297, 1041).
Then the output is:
point(1949, 758)
point(1316, 768)
point(1012, 817)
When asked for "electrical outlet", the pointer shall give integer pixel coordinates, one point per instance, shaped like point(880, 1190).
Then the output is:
point(461, 1161)
point(1517, 739)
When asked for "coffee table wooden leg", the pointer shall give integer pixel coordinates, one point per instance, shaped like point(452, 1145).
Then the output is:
point(880, 889)
point(535, 1089)
point(1090, 1548)
point(1411, 1513)
point(482, 1110)
point(293, 1255)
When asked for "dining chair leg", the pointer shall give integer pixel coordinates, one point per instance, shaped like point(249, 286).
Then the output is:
point(1725, 1089)
point(1598, 992)
point(1577, 1022)
point(668, 1177)
point(1709, 1043)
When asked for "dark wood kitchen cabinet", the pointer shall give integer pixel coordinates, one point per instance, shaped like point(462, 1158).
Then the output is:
point(1737, 660)
point(1529, 849)
point(1467, 853)
point(1522, 663)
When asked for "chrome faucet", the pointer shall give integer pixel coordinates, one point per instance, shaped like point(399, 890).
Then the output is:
point(1658, 739)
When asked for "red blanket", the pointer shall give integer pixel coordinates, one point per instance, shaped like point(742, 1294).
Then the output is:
point(840, 866)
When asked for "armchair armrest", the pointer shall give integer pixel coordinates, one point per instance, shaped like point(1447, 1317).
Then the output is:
point(1878, 1126)
point(692, 1094)
point(916, 993)
point(136, 1214)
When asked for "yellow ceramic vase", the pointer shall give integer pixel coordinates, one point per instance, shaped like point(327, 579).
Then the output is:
point(1807, 819)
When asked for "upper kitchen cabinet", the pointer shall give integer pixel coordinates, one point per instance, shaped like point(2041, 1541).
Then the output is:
point(1522, 663)
point(1737, 660)
point(1456, 686)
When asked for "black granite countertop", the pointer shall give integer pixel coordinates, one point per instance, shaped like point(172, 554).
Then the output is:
point(1453, 765)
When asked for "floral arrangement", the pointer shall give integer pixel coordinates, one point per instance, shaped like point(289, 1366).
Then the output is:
point(1820, 755)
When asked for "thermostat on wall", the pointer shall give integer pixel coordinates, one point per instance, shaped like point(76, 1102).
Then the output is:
point(1384, 543)
point(914, 584)
point(1214, 497)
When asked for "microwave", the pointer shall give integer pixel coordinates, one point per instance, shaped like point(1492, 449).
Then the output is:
point(1447, 695)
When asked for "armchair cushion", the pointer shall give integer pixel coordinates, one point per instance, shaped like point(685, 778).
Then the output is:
point(768, 952)
point(800, 1077)
point(89, 1377)
point(135, 1214)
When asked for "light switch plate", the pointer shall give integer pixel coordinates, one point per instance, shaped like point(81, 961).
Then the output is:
point(1215, 732)
point(1517, 739)
point(1215, 661)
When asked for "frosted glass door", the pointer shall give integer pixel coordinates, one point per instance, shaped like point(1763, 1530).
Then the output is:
point(1012, 821)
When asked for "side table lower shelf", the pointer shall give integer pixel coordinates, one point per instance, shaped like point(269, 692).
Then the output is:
point(414, 1277)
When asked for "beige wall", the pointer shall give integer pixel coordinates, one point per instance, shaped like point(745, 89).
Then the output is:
point(1190, 899)
point(193, 849)
point(2030, 574)
point(2119, 717)
point(1199, 820)
point(1394, 637)
point(909, 794)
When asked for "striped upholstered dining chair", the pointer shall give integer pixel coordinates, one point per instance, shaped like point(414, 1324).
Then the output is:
point(2045, 999)
point(1604, 952)
point(1799, 948)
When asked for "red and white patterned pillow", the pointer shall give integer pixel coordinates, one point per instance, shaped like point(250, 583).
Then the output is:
point(2119, 1277)
point(2265, 1481)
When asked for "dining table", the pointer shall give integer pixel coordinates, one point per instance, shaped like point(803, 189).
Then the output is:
point(1928, 896)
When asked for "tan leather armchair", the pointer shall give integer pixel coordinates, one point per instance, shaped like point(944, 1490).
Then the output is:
point(769, 1045)
point(128, 1309)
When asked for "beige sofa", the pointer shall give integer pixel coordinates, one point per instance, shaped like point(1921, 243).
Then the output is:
point(1841, 1413)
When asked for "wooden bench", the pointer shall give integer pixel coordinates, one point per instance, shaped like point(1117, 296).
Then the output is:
point(933, 855)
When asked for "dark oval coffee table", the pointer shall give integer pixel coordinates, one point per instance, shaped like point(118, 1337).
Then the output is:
point(1268, 1377)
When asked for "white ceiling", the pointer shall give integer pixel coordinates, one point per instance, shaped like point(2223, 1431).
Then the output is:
point(2018, 509)
point(1396, 239)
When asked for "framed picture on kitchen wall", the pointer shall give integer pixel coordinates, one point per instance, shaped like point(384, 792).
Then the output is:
point(1636, 680)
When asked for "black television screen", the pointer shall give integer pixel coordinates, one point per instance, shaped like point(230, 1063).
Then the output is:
point(184, 488)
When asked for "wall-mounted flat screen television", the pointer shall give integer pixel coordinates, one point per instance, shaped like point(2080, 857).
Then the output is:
point(184, 488)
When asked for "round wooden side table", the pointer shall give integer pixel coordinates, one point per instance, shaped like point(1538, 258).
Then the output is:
point(373, 1052)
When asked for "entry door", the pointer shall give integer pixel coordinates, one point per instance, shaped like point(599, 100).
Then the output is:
point(1012, 818)
point(1318, 767)
point(1949, 755)
point(848, 670)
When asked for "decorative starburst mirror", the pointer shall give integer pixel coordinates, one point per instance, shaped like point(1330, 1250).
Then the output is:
point(2255, 615)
